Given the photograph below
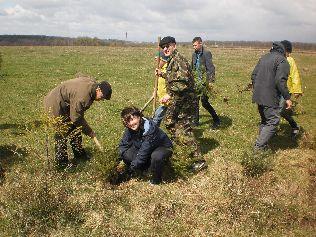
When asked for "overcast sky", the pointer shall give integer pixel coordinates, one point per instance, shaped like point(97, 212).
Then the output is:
point(145, 20)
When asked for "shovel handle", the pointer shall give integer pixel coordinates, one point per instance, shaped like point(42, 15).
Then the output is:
point(98, 144)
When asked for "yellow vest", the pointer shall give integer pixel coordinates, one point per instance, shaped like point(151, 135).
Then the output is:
point(162, 91)
point(294, 80)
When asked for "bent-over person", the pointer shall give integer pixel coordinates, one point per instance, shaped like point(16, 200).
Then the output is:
point(67, 104)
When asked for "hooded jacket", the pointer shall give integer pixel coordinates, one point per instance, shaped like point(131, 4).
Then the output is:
point(71, 99)
point(146, 139)
point(269, 77)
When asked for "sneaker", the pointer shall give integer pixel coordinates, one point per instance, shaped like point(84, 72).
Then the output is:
point(153, 183)
point(70, 167)
point(215, 125)
point(196, 123)
point(295, 132)
point(199, 165)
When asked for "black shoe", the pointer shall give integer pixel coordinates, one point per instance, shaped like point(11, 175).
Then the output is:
point(199, 165)
point(215, 125)
point(154, 182)
point(196, 123)
point(61, 165)
point(81, 156)
point(295, 132)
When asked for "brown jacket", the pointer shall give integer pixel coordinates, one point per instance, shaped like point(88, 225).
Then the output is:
point(71, 99)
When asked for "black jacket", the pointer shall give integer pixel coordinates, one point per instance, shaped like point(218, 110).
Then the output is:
point(269, 77)
point(206, 64)
point(146, 139)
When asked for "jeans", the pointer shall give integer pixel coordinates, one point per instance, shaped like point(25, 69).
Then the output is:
point(270, 118)
point(206, 104)
point(159, 114)
point(155, 162)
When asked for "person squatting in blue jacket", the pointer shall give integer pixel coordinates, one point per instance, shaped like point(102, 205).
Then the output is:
point(144, 145)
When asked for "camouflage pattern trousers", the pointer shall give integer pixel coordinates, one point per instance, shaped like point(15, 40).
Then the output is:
point(179, 121)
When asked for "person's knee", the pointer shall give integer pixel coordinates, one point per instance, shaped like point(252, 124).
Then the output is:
point(157, 157)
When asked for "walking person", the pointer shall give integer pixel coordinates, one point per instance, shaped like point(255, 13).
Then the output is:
point(295, 88)
point(204, 74)
point(269, 80)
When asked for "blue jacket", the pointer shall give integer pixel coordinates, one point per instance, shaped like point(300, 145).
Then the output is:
point(146, 139)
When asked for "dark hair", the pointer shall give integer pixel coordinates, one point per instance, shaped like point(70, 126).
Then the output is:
point(198, 38)
point(106, 89)
point(128, 112)
point(287, 45)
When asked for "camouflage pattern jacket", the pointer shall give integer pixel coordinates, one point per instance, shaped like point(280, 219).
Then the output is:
point(178, 75)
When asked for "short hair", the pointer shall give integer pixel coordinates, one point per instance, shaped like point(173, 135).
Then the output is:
point(128, 112)
point(106, 89)
point(287, 45)
point(198, 38)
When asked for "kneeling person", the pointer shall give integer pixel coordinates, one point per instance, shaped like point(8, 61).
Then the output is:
point(144, 145)
point(68, 102)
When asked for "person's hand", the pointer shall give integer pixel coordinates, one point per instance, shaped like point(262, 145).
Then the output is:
point(92, 134)
point(210, 86)
point(296, 96)
point(165, 99)
point(158, 72)
point(120, 167)
point(288, 104)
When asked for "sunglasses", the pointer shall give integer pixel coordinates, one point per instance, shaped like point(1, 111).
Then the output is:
point(165, 46)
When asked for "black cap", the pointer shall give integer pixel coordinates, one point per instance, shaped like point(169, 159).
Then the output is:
point(287, 45)
point(106, 89)
point(167, 40)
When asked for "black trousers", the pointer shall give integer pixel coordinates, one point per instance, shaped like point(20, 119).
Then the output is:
point(206, 104)
point(155, 161)
point(61, 139)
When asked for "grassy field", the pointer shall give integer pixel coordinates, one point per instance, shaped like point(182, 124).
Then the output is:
point(235, 196)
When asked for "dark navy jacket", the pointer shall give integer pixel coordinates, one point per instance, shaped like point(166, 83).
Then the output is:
point(146, 139)
point(269, 78)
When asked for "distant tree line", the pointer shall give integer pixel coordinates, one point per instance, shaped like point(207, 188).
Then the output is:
point(43, 40)
point(255, 44)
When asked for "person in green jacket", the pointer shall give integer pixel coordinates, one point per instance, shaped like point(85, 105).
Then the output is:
point(66, 105)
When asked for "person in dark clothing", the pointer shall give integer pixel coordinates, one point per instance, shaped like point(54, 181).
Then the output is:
point(204, 74)
point(144, 145)
point(269, 79)
point(66, 105)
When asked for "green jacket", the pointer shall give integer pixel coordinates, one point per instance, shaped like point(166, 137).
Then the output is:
point(70, 100)
point(178, 75)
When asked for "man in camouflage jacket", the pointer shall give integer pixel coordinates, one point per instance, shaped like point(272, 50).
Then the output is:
point(181, 97)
